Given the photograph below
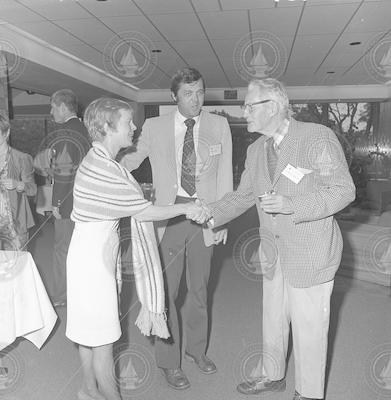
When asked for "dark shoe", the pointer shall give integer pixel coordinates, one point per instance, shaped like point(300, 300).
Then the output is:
point(261, 385)
point(298, 396)
point(205, 364)
point(176, 378)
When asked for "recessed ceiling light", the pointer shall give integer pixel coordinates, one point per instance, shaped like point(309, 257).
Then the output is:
point(330, 72)
point(354, 43)
point(156, 51)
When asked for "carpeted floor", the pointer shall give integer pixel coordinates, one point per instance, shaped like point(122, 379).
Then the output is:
point(359, 350)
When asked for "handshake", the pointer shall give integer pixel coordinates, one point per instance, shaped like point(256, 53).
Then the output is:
point(198, 212)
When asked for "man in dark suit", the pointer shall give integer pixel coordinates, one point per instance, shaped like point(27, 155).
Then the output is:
point(190, 151)
point(69, 144)
point(297, 176)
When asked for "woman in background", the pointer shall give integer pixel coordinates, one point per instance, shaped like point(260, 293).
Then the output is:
point(16, 183)
point(104, 191)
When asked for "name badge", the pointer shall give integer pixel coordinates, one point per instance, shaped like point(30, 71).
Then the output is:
point(293, 174)
point(215, 149)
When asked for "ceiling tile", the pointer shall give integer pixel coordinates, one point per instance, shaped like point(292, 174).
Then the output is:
point(279, 21)
point(164, 7)
point(189, 27)
point(140, 24)
point(260, 4)
point(56, 9)
point(216, 24)
point(12, 12)
point(313, 21)
point(110, 8)
point(206, 5)
point(48, 32)
point(309, 50)
point(88, 30)
point(372, 16)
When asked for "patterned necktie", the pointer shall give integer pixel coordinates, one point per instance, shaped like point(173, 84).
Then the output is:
point(272, 158)
point(188, 159)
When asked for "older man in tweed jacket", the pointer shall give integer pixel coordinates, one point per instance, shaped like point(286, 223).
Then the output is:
point(299, 174)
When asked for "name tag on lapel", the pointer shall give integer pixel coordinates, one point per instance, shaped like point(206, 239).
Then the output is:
point(293, 174)
point(215, 149)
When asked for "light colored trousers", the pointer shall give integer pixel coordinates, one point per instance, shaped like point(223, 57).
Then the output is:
point(308, 311)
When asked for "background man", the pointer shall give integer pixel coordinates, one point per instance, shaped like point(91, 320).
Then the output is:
point(191, 157)
point(70, 143)
point(300, 171)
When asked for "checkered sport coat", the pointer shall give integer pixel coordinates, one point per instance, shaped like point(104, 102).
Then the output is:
point(309, 241)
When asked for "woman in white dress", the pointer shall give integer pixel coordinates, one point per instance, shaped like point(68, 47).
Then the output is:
point(104, 192)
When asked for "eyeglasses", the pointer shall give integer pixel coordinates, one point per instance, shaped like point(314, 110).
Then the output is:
point(250, 106)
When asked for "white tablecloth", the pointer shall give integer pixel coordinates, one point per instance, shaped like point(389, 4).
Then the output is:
point(25, 308)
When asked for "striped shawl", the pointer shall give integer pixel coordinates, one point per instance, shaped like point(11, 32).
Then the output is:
point(104, 190)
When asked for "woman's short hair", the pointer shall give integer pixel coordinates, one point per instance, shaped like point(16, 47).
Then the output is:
point(275, 90)
point(185, 75)
point(101, 111)
point(67, 97)
point(4, 125)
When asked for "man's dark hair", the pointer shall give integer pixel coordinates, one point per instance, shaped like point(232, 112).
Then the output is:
point(185, 75)
point(67, 97)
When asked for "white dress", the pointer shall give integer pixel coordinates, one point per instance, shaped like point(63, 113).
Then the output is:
point(92, 300)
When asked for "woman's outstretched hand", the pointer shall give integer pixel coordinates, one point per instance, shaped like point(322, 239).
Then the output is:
point(198, 212)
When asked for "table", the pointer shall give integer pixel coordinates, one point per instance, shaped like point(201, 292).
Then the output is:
point(25, 308)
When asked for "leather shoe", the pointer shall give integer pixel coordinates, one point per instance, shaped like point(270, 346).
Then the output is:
point(204, 364)
point(176, 378)
point(261, 385)
point(298, 396)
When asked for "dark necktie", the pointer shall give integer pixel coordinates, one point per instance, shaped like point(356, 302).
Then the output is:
point(188, 159)
point(272, 158)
